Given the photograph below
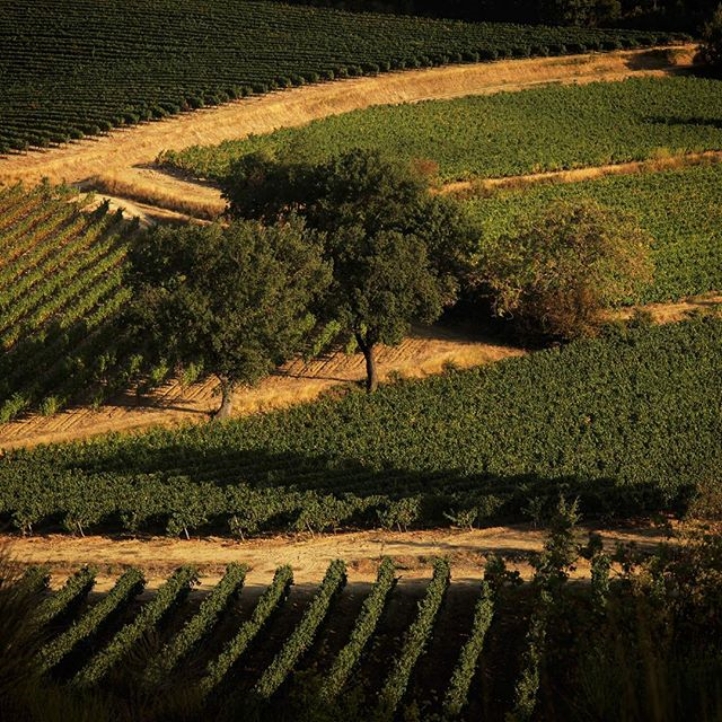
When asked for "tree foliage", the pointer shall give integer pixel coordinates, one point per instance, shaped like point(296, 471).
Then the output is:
point(711, 50)
point(398, 252)
point(562, 269)
point(233, 300)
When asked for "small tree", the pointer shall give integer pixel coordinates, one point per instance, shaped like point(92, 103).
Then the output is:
point(398, 253)
point(233, 300)
point(562, 269)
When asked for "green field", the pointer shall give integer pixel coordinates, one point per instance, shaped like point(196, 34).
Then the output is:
point(680, 208)
point(630, 422)
point(507, 134)
point(67, 70)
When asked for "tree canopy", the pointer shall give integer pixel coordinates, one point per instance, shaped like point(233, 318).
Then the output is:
point(399, 253)
point(235, 300)
point(561, 269)
point(711, 49)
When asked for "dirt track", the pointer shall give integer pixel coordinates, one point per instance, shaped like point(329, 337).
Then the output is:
point(425, 352)
point(123, 160)
point(308, 555)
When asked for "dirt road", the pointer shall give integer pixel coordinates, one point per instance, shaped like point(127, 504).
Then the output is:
point(123, 160)
point(309, 556)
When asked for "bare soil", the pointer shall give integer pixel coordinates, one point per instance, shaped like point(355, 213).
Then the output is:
point(309, 556)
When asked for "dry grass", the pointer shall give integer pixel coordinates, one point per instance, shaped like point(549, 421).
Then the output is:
point(664, 159)
point(195, 200)
point(124, 155)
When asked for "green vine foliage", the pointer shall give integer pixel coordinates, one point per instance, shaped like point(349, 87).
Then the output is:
point(456, 696)
point(592, 420)
point(270, 601)
point(75, 589)
point(197, 627)
point(416, 639)
point(363, 630)
point(166, 598)
point(124, 591)
point(303, 635)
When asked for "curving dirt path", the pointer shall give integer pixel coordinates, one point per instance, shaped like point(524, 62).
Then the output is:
point(122, 161)
point(576, 175)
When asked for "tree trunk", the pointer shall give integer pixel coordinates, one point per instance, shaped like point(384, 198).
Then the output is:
point(369, 351)
point(226, 401)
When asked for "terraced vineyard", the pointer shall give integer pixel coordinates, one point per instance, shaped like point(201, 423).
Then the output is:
point(628, 422)
point(69, 71)
point(506, 134)
point(436, 648)
point(61, 290)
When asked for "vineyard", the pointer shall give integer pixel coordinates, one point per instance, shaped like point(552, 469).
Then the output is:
point(680, 208)
point(629, 422)
point(507, 134)
point(69, 71)
point(61, 290)
point(430, 649)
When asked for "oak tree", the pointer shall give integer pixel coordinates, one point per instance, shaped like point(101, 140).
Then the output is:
point(399, 253)
point(559, 272)
point(235, 300)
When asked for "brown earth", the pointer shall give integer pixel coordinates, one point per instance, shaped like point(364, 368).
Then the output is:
point(309, 556)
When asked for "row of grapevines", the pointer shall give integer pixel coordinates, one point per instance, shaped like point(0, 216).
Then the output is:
point(170, 595)
point(303, 635)
point(415, 641)
point(270, 601)
point(527, 685)
point(61, 294)
point(75, 590)
point(457, 693)
point(35, 580)
point(197, 626)
point(364, 628)
point(86, 77)
point(124, 591)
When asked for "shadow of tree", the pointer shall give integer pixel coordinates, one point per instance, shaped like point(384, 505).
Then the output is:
point(226, 491)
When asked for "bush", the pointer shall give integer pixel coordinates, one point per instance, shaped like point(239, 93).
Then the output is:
point(561, 270)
